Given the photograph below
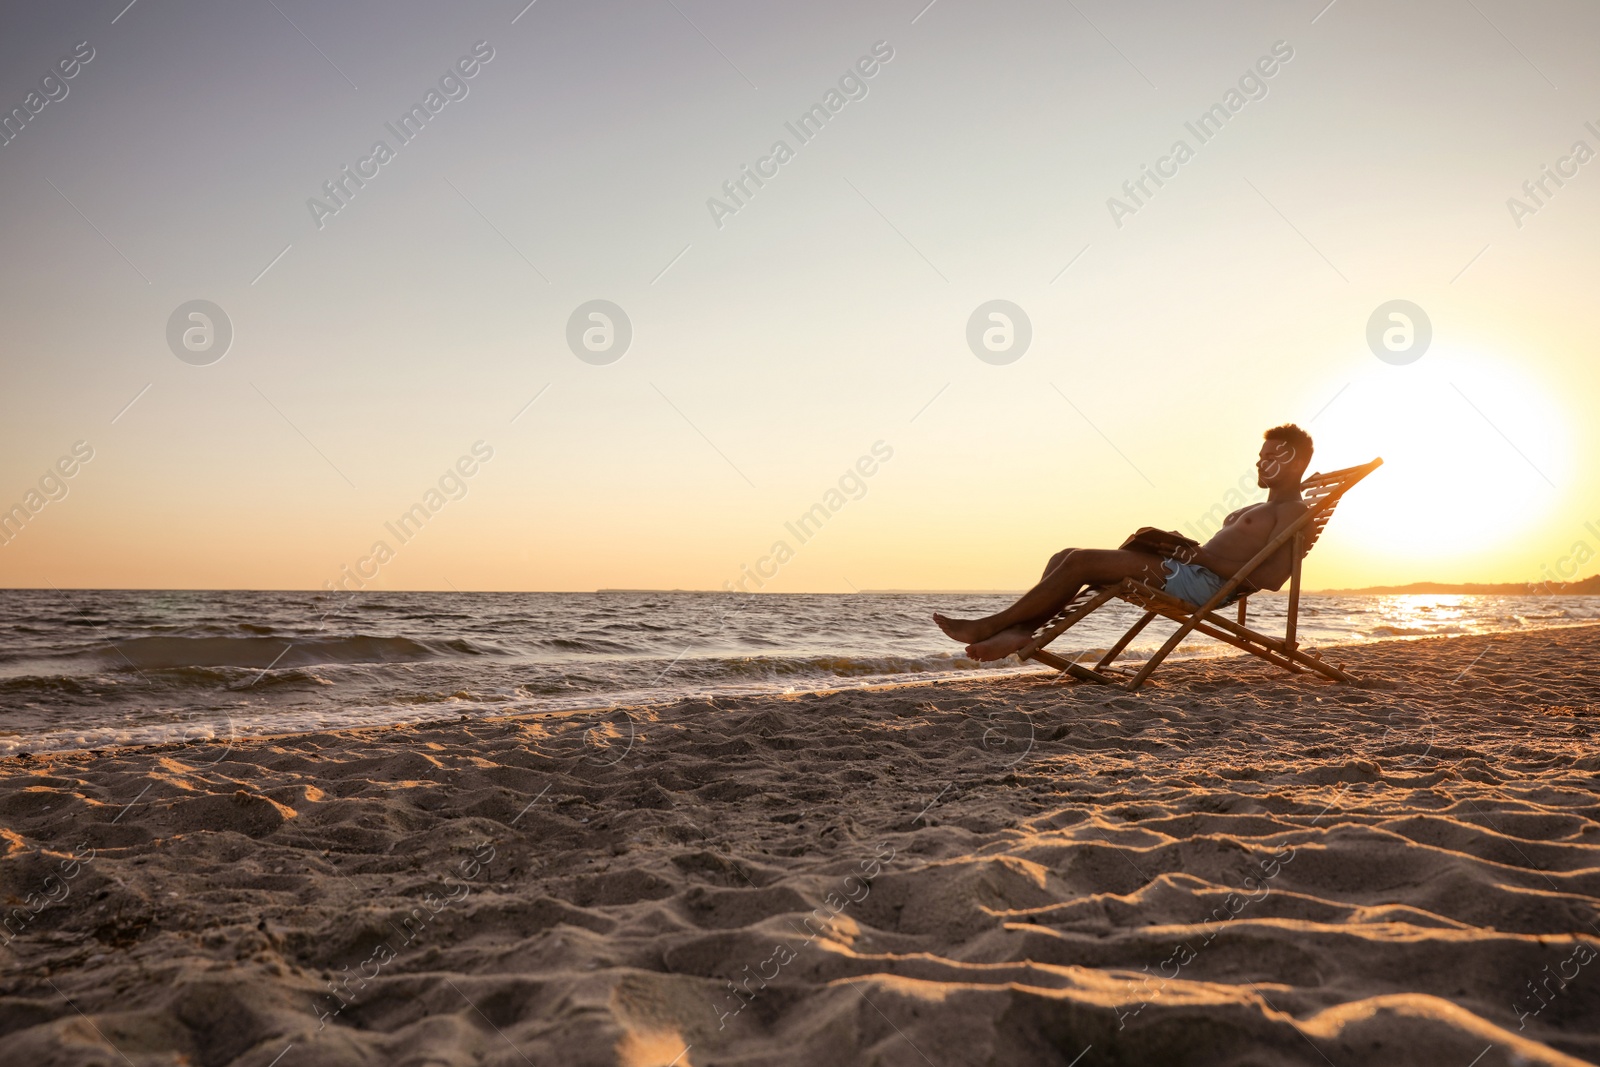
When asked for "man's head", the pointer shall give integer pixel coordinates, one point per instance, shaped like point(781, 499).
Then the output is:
point(1285, 455)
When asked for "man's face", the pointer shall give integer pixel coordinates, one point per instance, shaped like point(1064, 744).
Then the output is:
point(1276, 465)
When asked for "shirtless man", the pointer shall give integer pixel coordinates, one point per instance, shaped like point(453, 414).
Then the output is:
point(1285, 454)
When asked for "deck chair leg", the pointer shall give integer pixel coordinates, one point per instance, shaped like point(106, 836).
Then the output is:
point(1246, 640)
point(1125, 641)
point(1155, 661)
point(1327, 670)
point(1292, 622)
point(1066, 666)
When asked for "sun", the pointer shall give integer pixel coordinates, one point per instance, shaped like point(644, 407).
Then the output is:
point(1475, 451)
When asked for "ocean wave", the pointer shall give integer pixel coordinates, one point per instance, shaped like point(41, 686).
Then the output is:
point(773, 668)
point(1379, 632)
point(25, 686)
point(240, 678)
point(167, 682)
point(262, 653)
point(588, 645)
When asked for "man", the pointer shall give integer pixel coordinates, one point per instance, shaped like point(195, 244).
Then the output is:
point(1191, 573)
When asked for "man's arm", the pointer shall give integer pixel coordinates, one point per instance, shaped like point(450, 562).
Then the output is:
point(1289, 513)
point(1275, 571)
point(1214, 563)
point(1195, 553)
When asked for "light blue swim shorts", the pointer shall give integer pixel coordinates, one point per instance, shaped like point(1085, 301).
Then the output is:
point(1191, 582)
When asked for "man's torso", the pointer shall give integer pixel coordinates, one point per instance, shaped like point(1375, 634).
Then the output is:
point(1247, 531)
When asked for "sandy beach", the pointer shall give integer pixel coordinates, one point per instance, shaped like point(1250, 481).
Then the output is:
point(1234, 866)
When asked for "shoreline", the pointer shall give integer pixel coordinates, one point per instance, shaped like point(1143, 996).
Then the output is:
point(1220, 652)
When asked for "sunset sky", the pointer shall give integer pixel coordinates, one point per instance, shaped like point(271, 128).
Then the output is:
point(774, 346)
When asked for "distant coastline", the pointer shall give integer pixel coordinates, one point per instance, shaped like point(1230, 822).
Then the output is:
point(1587, 587)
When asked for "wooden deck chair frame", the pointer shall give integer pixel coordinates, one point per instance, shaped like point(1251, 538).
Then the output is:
point(1321, 492)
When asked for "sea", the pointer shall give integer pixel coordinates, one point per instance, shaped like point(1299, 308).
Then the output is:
point(95, 669)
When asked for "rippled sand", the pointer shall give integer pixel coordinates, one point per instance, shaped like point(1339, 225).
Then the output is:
point(1232, 867)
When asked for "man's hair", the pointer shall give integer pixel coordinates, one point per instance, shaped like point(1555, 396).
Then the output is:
point(1296, 439)
point(1293, 436)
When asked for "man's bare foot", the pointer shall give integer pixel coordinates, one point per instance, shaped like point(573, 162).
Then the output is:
point(1001, 644)
point(965, 631)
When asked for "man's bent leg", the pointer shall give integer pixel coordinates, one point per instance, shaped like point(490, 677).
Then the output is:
point(1013, 638)
point(947, 624)
point(1056, 561)
point(1080, 567)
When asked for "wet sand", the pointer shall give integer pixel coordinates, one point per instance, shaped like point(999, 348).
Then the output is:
point(1234, 866)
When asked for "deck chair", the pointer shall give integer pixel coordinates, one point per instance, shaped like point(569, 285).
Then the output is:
point(1321, 492)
